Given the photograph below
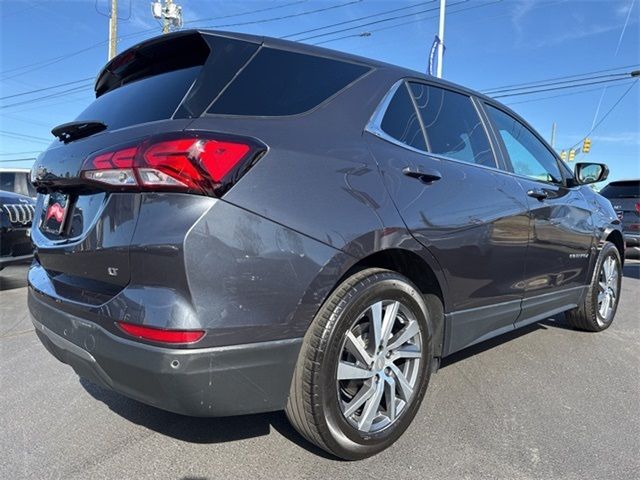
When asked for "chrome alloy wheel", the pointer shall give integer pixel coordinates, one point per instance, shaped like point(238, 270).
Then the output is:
point(607, 290)
point(379, 365)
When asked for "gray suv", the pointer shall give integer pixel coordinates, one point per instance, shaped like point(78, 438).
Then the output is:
point(240, 224)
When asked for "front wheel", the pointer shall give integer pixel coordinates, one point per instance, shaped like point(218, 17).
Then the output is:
point(364, 365)
point(599, 306)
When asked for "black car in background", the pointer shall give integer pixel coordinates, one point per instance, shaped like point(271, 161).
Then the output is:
point(16, 216)
point(241, 224)
point(625, 198)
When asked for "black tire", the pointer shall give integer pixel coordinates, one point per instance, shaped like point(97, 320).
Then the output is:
point(314, 404)
point(587, 315)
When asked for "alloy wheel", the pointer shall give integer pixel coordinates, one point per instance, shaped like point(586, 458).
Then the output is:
point(379, 365)
point(607, 290)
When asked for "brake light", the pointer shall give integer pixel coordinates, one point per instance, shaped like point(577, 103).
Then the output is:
point(161, 335)
point(197, 164)
point(638, 207)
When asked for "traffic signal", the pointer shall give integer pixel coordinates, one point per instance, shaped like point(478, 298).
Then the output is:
point(572, 155)
point(563, 155)
point(586, 145)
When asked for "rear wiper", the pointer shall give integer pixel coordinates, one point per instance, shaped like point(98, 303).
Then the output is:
point(67, 132)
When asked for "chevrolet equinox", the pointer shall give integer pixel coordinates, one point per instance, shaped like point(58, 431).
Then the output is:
point(240, 224)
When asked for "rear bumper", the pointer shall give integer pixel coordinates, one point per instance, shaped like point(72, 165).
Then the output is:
point(216, 381)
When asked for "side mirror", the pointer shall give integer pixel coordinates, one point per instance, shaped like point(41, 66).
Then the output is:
point(586, 173)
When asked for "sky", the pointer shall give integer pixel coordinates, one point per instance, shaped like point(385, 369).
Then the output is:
point(489, 44)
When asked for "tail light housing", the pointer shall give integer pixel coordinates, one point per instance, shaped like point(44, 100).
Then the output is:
point(161, 335)
point(192, 162)
point(638, 207)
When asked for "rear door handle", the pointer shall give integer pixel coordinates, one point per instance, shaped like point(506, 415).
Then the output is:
point(424, 175)
point(538, 193)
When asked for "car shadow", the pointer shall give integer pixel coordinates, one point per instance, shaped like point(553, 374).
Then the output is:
point(631, 269)
point(557, 321)
point(204, 430)
point(14, 276)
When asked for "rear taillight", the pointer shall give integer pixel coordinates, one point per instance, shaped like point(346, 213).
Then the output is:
point(193, 163)
point(638, 207)
point(161, 335)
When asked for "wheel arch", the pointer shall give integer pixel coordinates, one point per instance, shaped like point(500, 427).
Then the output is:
point(614, 236)
point(418, 270)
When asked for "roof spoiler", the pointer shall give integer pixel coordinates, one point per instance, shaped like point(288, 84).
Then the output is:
point(158, 55)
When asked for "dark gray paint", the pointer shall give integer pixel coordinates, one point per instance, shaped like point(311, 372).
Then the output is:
point(256, 265)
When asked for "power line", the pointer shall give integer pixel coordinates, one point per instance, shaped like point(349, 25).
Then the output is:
point(22, 136)
point(260, 10)
point(575, 76)
point(51, 61)
point(285, 17)
point(360, 18)
point(626, 92)
point(51, 87)
point(375, 22)
point(565, 94)
point(611, 76)
point(51, 95)
point(417, 19)
point(562, 87)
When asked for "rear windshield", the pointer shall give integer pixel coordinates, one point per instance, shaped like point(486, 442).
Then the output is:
point(146, 100)
point(629, 189)
point(278, 82)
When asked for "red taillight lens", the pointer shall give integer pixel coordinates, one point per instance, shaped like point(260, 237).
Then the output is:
point(161, 335)
point(638, 207)
point(197, 164)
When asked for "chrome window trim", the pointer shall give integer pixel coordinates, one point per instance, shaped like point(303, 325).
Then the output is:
point(375, 122)
point(374, 126)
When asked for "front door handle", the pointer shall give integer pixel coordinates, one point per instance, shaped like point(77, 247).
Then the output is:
point(424, 175)
point(538, 193)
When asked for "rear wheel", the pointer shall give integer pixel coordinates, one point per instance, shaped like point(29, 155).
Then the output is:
point(597, 310)
point(364, 365)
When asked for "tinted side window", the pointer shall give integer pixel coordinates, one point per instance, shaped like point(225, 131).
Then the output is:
point(529, 157)
point(401, 120)
point(452, 125)
point(277, 83)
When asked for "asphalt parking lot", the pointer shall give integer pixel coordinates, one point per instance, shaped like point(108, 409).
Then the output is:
point(545, 402)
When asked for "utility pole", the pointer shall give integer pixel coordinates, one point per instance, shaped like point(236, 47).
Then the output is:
point(443, 4)
point(113, 29)
point(553, 135)
point(169, 13)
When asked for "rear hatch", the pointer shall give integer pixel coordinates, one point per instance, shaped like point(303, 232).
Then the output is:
point(625, 198)
point(87, 206)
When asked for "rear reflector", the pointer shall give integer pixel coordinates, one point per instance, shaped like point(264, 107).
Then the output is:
point(195, 163)
point(161, 335)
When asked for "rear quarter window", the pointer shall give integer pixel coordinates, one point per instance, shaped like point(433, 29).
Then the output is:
point(401, 122)
point(278, 83)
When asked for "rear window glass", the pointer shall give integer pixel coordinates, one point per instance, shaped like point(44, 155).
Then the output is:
point(401, 120)
point(146, 100)
point(278, 82)
point(622, 190)
point(452, 125)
